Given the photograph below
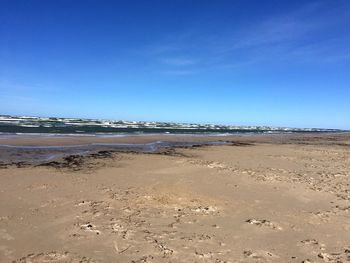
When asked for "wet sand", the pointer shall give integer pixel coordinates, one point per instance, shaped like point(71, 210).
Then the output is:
point(275, 198)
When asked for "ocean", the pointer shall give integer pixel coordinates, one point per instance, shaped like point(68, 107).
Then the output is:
point(76, 126)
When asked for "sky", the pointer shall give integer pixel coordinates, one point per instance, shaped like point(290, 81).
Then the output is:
point(278, 63)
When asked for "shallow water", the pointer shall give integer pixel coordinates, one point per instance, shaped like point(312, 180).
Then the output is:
point(33, 154)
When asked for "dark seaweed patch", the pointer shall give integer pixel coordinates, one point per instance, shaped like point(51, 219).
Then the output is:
point(77, 162)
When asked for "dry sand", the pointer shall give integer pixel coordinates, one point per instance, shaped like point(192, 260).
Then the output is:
point(277, 199)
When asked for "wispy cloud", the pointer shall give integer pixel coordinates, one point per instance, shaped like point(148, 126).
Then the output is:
point(305, 35)
point(280, 36)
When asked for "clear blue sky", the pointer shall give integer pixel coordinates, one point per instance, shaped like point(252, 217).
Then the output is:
point(281, 63)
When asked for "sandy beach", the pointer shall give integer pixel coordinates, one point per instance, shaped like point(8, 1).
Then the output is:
point(272, 198)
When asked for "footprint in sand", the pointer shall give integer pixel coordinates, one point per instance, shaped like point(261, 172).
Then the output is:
point(313, 244)
point(90, 228)
point(263, 223)
point(310, 242)
point(259, 255)
point(342, 255)
point(122, 231)
point(205, 209)
point(144, 259)
point(204, 255)
point(334, 257)
point(95, 208)
point(83, 203)
point(163, 247)
point(54, 257)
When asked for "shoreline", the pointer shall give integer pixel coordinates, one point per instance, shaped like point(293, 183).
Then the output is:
point(82, 140)
point(25, 151)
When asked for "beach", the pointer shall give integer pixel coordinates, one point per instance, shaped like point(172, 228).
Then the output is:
point(252, 198)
